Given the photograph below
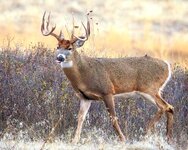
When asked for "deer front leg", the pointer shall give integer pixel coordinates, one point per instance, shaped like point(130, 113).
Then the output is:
point(109, 102)
point(84, 107)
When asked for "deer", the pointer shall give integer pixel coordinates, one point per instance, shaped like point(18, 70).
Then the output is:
point(102, 79)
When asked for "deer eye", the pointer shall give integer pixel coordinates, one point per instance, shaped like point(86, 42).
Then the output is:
point(69, 48)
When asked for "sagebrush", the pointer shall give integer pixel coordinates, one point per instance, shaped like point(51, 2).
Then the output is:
point(34, 94)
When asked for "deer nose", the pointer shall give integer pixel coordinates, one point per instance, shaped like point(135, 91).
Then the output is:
point(61, 58)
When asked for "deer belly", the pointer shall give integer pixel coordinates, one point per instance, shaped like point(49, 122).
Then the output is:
point(89, 95)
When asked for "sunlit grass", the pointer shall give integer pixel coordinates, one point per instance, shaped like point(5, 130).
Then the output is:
point(115, 43)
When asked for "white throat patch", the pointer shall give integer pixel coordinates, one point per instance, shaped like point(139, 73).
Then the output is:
point(66, 64)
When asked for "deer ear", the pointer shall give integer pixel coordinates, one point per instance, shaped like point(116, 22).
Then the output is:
point(79, 43)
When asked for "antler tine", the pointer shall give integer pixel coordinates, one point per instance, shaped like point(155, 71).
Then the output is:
point(88, 25)
point(72, 34)
point(47, 27)
point(61, 36)
point(48, 21)
point(87, 30)
point(43, 19)
point(86, 36)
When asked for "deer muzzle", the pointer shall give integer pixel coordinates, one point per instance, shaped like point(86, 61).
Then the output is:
point(64, 59)
point(61, 58)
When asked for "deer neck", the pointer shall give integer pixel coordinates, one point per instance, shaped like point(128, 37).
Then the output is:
point(73, 73)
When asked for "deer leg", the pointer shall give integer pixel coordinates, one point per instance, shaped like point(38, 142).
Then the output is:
point(84, 107)
point(152, 98)
point(168, 109)
point(170, 121)
point(109, 102)
point(155, 119)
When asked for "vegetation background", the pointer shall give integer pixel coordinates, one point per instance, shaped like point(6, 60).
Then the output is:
point(35, 95)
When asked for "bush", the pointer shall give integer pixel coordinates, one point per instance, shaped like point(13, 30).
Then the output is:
point(35, 93)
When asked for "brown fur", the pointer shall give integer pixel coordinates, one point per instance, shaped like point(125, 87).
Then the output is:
point(116, 75)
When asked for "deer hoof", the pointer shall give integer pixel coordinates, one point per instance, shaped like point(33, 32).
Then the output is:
point(74, 141)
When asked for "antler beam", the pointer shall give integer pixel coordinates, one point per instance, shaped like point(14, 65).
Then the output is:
point(45, 29)
point(87, 31)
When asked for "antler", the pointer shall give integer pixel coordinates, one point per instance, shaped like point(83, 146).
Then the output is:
point(87, 31)
point(47, 32)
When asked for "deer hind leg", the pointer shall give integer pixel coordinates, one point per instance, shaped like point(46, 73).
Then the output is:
point(164, 107)
point(84, 107)
point(109, 102)
point(170, 121)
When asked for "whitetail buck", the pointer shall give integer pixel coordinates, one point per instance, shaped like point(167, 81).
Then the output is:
point(103, 78)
